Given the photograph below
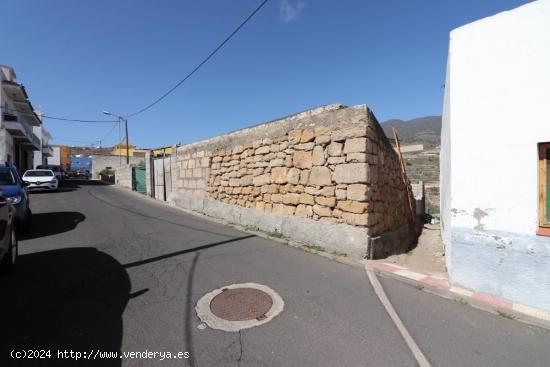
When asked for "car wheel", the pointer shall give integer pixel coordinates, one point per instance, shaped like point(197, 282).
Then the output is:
point(8, 262)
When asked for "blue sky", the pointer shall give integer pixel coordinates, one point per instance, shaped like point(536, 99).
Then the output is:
point(77, 58)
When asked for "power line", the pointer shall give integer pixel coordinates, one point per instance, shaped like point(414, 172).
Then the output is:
point(202, 62)
point(11, 110)
point(110, 131)
point(77, 120)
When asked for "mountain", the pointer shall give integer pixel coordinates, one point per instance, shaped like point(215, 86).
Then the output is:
point(422, 130)
point(91, 151)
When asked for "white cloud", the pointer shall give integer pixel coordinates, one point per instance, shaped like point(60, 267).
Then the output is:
point(291, 11)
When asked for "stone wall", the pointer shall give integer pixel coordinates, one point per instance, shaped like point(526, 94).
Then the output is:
point(332, 165)
point(123, 176)
point(100, 162)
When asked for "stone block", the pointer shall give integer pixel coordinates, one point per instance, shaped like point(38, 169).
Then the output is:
point(262, 179)
point(279, 175)
point(234, 182)
point(312, 190)
point(294, 136)
point(307, 199)
point(302, 159)
point(356, 219)
point(336, 160)
point(293, 176)
point(355, 145)
point(197, 172)
point(318, 156)
point(293, 199)
point(334, 149)
point(276, 198)
point(340, 194)
point(356, 157)
point(307, 136)
point(247, 180)
point(304, 211)
point(274, 148)
point(288, 161)
point(322, 211)
point(304, 146)
point(205, 162)
point(321, 200)
point(304, 176)
point(322, 140)
point(277, 162)
point(352, 173)
point(327, 191)
point(349, 132)
point(322, 131)
point(352, 206)
point(320, 176)
point(273, 189)
point(357, 192)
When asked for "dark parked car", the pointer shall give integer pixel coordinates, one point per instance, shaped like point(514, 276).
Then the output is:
point(15, 193)
point(8, 237)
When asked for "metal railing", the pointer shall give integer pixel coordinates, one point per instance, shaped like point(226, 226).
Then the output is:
point(27, 129)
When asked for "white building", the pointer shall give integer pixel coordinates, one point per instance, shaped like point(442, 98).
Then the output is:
point(495, 155)
point(41, 156)
point(17, 139)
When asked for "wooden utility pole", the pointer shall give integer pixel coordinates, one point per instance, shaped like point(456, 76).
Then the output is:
point(127, 143)
point(410, 196)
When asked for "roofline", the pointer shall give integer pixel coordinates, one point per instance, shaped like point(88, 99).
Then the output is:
point(11, 69)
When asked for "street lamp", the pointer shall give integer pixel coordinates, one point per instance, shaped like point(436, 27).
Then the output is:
point(120, 118)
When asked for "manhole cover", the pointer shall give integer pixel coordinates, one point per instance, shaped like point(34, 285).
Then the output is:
point(241, 304)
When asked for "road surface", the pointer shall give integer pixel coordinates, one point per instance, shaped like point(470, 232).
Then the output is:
point(104, 270)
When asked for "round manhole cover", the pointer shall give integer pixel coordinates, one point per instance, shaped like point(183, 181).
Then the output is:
point(241, 304)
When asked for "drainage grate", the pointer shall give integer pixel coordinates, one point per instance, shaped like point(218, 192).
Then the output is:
point(241, 304)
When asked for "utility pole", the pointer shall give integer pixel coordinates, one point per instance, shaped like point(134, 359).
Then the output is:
point(120, 119)
point(127, 143)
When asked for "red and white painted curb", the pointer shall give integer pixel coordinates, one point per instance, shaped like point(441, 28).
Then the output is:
point(441, 285)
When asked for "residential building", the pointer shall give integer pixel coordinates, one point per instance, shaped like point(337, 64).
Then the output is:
point(161, 152)
point(121, 148)
point(41, 156)
point(17, 139)
point(61, 156)
point(495, 156)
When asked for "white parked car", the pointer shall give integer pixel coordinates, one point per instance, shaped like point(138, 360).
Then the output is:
point(41, 179)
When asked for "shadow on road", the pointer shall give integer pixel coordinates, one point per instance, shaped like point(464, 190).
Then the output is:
point(186, 251)
point(68, 299)
point(47, 224)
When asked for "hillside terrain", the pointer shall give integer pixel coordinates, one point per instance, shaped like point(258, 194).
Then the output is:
point(421, 165)
point(422, 130)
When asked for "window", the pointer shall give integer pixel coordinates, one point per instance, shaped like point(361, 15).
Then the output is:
point(544, 189)
point(6, 177)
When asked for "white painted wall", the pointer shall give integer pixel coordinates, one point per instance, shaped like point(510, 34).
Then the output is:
point(56, 156)
point(496, 111)
point(499, 109)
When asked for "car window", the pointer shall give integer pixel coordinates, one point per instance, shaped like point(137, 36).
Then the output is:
point(6, 177)
point(38, 173)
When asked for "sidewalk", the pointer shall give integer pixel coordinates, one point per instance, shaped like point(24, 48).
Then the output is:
point(424, 267)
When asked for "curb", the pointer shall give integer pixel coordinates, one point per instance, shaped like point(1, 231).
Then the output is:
point(439, 285)
point(431, 283)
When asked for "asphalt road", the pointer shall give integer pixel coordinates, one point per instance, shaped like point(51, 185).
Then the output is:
point(105, 270)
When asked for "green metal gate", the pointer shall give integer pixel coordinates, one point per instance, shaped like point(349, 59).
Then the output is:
point(138, 179)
